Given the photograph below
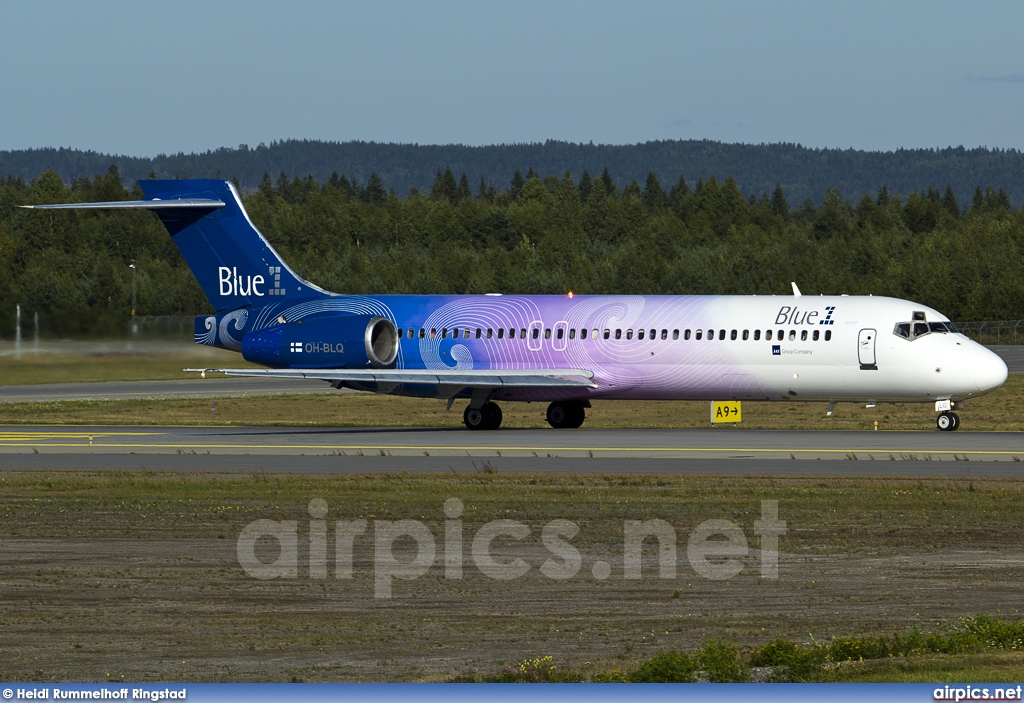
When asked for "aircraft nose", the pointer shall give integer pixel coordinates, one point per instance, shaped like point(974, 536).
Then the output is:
point(990, 371)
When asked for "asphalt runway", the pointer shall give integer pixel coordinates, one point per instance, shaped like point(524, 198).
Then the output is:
point(356, 450)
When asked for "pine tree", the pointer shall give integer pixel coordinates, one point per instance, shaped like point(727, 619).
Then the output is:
point(516, 187)
point(585, 186)
point(374, 194)
point(949, 202)
point(464, 192)
point(606, 180)
point(780, 206)
point(978, 201)
point(654, 195)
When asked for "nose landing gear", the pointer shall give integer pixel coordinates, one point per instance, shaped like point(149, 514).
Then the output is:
point(947, 421)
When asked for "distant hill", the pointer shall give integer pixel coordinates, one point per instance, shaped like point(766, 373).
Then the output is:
point(802, 172)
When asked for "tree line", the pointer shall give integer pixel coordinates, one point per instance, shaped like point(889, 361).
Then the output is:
point(538, 233)
point(803, 172)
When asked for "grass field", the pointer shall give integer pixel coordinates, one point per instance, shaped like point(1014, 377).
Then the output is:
point(1002, 410)
point(136, 574)
point(30, 369)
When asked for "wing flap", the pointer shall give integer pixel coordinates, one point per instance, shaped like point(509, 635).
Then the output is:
point(477, 378)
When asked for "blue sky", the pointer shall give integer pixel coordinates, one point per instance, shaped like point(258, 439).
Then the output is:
point(147, 78)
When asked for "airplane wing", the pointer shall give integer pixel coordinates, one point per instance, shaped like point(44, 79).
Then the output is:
point(470, 378)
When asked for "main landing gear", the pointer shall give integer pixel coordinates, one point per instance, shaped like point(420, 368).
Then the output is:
point(947, 421)
point(567, 413)
point(563, 413)
point(486, 418)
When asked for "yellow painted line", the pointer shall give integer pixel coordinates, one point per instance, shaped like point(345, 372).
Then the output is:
point(425, 447)
point(83, 433)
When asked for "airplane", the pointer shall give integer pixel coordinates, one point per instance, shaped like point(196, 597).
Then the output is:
point(564, 350)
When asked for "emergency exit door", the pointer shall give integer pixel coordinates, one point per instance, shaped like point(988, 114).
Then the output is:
point(866, 350)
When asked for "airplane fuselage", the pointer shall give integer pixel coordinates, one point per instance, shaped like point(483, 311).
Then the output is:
point(840, 348)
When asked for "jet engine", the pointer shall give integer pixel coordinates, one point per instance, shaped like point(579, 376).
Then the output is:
point(325, 342)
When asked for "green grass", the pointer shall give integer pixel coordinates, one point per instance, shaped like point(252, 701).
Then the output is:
point(974, 649)
point(33, 369)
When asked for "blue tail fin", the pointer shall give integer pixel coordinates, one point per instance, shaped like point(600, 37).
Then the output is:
point(234, 264)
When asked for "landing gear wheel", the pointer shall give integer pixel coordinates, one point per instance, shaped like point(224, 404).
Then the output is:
point(947, 422)
point(486, 418)
point(566, 414)
point(493, 414)
point(474, 418)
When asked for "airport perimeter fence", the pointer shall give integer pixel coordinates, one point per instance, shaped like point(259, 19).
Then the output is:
point(993, 331)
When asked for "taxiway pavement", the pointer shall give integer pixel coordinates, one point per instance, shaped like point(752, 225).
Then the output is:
point(355, 450)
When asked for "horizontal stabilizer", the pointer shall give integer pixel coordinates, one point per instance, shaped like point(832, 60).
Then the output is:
point(182, 204)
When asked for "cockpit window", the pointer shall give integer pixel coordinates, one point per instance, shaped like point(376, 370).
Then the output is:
point(917, 328)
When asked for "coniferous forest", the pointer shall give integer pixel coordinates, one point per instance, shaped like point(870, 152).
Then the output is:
point(534, 233)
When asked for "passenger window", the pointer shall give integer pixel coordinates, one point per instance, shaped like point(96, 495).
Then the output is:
point(639, 334)
point(490, 332)
point(512, 333)
point(711, 335)
point(675, 335)
point(560, 333)
point(547, 333)
point(618, 334)
point(814, 337)
point(583, 334)
point(629, 334)
point(664, 334)
point(423, 333)
point(465, 334)
point(732, 335)
point(768, 335)
point(792, 335)
point(501, 333)
point(572, 333)
point(686, 334)
point(757, 335)
point(721, 335)
point(412, 333)
point(781, 335)
point(828, 335)
point(698, 334)
point(803, 335)
point(607, 334)
point(654, 334)
point(746, 335)
point(433, 333)
point(522, 333)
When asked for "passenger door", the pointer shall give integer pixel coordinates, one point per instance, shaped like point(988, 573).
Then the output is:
point(866, 350)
